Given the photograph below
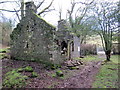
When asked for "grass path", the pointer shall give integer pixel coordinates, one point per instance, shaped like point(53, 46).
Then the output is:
point(107, 77)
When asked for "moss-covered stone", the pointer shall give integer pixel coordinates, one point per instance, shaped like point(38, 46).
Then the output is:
point(59, 73)
point(20, 70)
point(34, 74)
point(28, 69)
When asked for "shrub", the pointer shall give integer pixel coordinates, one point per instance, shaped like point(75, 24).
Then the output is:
point(14, 79)
point(87, 49)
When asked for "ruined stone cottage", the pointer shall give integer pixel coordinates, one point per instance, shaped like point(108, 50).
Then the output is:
point(35, 39)
point(32, 39)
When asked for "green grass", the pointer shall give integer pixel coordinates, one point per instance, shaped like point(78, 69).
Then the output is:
point(115, 58)
point(108, 75)
point(91, 58)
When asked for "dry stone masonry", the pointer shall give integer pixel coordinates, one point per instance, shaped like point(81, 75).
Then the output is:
point(32, 39)
point(67, 40)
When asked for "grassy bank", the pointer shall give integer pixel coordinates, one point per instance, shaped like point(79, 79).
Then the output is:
point(92, 58)
point(108, 74)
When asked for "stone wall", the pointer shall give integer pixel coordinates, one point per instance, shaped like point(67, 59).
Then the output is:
point(63, 33)
point(63, 37)
point(76, 48)
point(32, 39)
point(72, 41)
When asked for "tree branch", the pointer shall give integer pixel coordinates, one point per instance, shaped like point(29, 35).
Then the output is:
point(17, 14)
point(85, 3)
point(48, 10)
point(6, 2)
point(9, 10)
point(44, 10)
point(39, 5)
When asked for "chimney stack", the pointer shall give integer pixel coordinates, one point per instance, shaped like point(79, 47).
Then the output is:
point(30, 8)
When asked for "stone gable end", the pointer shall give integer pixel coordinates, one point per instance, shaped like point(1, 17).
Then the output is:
point(32, 39)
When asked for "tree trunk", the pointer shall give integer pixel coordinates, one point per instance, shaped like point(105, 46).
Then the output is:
point(108, 55)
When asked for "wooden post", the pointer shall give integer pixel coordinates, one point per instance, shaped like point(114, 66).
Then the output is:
point(69, 49)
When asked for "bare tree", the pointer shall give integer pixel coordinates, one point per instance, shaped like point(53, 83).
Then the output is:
point(107, 25)
point(5, 30)
point(75, 17)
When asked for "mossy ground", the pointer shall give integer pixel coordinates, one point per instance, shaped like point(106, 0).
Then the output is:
point(13, 79)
